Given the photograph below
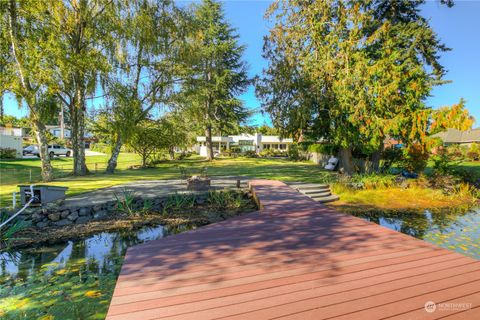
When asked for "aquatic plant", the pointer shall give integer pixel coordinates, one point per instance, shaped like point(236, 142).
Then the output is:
point(125, 201)
point(7, 232)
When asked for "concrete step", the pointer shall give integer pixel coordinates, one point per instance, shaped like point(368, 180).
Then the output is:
point(327, 199)
point(319, 194)
point(313, 191)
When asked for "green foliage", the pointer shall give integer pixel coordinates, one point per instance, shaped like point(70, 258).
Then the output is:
point(125, 201)
point(272, 153)
point(350, 72)
point(213, 71)
point(227, 199)
point(453, 117)
point(100, 147)
point(8, 153)
point(178, 201)
point(373, 181)
point(391, 156)
point(473, 153)
point(415, 158)
point(8, 120)
point(7, 232)
point(250, 154)
point(328, 149)
point(294, 152)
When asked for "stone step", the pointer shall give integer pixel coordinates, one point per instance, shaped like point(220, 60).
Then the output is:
point(313, 191)
point(327, 199)
point(304, 186)
point(319, 194)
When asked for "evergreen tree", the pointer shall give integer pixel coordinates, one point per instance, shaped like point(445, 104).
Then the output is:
point(362, 71)
point(213, 71)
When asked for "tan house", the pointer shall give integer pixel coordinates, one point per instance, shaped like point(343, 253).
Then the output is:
point(454, 136)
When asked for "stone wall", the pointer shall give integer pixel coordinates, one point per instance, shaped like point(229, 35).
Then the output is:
point(60, 213)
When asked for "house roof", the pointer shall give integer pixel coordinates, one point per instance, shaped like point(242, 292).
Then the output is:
point(457, 136)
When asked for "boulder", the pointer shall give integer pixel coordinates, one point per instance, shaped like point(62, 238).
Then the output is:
point(37, 217)
point(84, 211)
point(73, 216)
point(54, 216)
point(63, 222)
point(42, 224)
point(82, 220)
point(100, 214)
point(64, 213)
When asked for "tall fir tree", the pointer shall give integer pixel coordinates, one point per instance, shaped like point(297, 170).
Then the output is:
point(367, 65)
point(213, 71)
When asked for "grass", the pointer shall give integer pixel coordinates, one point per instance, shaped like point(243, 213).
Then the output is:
point(397, 199)
point(381, 198)
point(279, 169)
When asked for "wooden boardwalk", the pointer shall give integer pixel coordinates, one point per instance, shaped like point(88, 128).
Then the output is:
point(294, 259)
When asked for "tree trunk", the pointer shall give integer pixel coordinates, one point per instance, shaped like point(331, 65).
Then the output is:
point(78, 129)
point(112, 162)
point(40, 134)
point(346, 160)
point(208, 142)
point(171, 152)
point(144, 160)
point(376, 157)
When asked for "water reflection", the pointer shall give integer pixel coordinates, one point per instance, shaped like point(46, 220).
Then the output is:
point(453, 230)
point(68, 279)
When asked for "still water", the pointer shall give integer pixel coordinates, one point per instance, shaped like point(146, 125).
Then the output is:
point(72, 280)
point(75, 280)
point(453, 230)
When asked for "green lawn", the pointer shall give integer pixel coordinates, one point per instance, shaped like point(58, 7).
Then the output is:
point(279, 169)
point(17, 171)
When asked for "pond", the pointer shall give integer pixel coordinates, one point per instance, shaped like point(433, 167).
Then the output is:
point(72, 280)
point(453, 230)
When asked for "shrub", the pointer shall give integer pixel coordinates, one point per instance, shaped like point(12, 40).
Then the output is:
point(456, 151)
point(329, 149)
point(391, 156)
point(8, 153)
point(374, 181)
point(294, 153)
point(473, 152)
point(415, 158)
point(250, 154)
point(443, 163)
point(100, 147)
point(473, 155)
point(266, 153)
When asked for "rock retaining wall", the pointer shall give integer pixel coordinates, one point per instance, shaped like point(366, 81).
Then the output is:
point(60, 213)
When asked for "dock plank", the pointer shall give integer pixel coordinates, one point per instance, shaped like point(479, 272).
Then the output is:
point(293, 259)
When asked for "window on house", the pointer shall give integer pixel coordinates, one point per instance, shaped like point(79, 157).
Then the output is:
point(283, 146)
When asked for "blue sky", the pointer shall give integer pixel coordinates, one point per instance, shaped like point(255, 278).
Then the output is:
point(458, 27)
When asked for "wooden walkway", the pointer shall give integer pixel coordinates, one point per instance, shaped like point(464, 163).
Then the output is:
point(294, 259)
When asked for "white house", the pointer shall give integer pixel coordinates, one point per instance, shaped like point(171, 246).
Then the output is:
point(246, 142)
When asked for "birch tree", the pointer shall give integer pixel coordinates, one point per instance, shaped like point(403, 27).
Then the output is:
point(27, 54)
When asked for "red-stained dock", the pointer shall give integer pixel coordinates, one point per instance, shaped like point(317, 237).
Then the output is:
point(294, 259)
